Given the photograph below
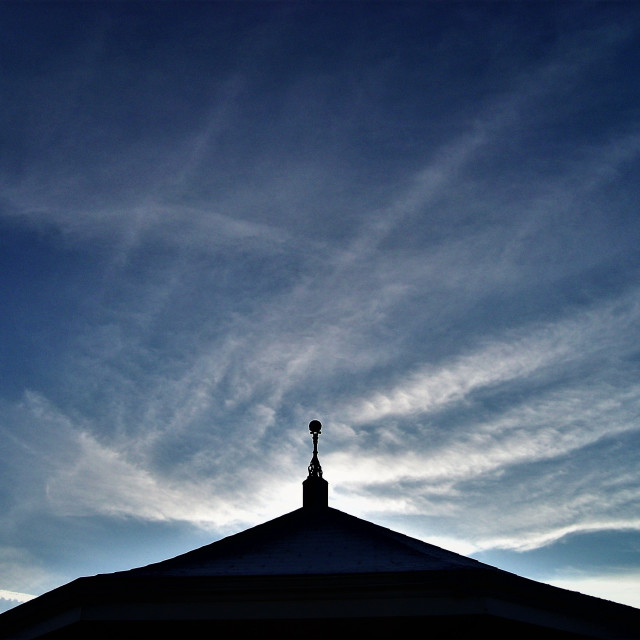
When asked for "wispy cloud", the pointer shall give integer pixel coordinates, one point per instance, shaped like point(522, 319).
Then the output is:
point(15, 595)
point(545, 350)
point(428, 243)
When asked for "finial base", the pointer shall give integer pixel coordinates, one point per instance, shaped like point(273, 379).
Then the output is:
point(315, 493)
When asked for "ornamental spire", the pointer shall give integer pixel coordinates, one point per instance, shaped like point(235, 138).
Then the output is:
point(315, 489)
point(315, 470)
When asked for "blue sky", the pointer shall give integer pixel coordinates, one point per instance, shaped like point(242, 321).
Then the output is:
point(415, 222)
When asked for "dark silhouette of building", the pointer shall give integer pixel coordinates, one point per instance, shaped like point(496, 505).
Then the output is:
point(312, 573)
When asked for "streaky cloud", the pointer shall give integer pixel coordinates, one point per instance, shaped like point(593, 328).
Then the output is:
point(15, 596)
point(532, 350)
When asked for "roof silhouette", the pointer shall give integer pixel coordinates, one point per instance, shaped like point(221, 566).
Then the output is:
point(311, 541)
point(313, 572)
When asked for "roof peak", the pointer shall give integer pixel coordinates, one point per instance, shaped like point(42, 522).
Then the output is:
point(312, 542)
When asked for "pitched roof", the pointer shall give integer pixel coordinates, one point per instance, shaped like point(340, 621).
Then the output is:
point(319, 564)
point(322, 565)
point(311, 541)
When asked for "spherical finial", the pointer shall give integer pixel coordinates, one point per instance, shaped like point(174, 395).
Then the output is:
point(315, 426)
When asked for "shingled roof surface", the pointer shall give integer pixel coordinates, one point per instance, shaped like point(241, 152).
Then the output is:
point(309, 541)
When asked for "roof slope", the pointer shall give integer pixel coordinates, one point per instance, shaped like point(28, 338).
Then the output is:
point(311, 542)
point(317, 564)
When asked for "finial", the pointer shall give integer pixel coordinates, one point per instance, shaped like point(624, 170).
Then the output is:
point(315, 489)
point(315, 426)
point(315, 470)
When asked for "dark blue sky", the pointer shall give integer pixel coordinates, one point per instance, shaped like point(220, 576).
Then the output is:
point(415, 221)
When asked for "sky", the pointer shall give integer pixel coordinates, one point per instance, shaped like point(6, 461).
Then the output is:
point(416, 222)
